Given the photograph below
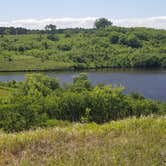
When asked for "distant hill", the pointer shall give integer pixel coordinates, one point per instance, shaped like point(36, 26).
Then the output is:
point(107, 47)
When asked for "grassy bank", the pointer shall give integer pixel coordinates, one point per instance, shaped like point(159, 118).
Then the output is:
point(129, 142)
point(32, 64)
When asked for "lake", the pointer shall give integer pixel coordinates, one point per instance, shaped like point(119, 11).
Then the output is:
point(149, 83)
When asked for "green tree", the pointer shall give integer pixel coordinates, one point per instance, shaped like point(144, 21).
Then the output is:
point(50, 28)
point(102, 23)
point(72, 106)
point(38, 85)
point(133, 41)
point(81, 82)
point(114, 38)
point(107, 104)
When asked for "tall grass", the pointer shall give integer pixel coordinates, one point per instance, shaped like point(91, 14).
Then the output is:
point(130, 142)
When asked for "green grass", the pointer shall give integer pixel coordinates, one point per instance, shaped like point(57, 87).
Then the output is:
point(130, 142)
point(29, 63)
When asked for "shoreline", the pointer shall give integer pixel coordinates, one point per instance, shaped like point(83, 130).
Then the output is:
point(84, 69)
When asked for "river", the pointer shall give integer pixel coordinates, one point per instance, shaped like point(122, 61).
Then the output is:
point(150, 83)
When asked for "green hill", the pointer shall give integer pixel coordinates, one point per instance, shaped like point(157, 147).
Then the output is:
point(108, 47)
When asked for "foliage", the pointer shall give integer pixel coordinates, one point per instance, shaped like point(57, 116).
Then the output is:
point(50, 28)
point(40, 100)
point(102, 23)
point(106, 47)
point(52, 37)
point(38, 84)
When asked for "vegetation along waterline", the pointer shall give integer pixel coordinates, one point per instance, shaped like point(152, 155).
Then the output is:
point(105, 46)
point(148, 82)
point(39, 101)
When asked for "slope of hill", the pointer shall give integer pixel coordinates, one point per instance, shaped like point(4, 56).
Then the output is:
point(83, 48)
point(126, 142)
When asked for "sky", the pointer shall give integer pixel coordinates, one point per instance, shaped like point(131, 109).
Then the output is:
point(82, 13)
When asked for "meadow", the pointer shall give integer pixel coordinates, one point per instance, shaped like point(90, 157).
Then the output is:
point(128, 142)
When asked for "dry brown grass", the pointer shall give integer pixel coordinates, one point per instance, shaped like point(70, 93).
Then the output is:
point(130, 142)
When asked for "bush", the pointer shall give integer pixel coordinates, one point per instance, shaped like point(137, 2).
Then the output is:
point(40, 102)
point(64, 47)
point(72, 106)
point(107, 104)
point(114, 38)
point(52, 37)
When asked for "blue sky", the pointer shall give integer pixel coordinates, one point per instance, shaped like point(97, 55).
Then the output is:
point(12, 10)
point(21, 9)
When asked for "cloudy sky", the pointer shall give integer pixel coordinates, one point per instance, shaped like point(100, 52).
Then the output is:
point(82, 13)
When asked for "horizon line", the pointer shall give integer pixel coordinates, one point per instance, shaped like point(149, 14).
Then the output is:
point(158, 22)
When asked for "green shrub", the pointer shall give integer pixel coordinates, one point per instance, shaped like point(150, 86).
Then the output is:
point(39, 101)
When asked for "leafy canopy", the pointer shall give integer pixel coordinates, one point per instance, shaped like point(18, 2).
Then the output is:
point(102, 23)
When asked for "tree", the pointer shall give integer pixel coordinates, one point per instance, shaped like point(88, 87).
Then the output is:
point(102, 23)
point(81, 82)
point(38, 85)
point(50, 28)
point(133, 41)
point(52, 37)
point(114, 37)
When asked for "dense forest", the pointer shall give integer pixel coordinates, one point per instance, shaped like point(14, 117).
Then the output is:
point(104, 46)
point(40, 101)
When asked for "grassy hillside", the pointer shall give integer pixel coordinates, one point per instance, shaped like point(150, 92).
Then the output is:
point(84, 48)
point(130, 142)
point(30, 63)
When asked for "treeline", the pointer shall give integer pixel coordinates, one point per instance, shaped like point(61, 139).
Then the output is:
point(16, 31)
point(25, 31)
point(50, 29)
point(41, 101)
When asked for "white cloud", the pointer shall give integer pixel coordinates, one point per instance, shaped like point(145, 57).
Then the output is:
point(153, 22)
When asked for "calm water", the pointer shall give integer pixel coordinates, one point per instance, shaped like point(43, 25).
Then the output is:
point(150, 83)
